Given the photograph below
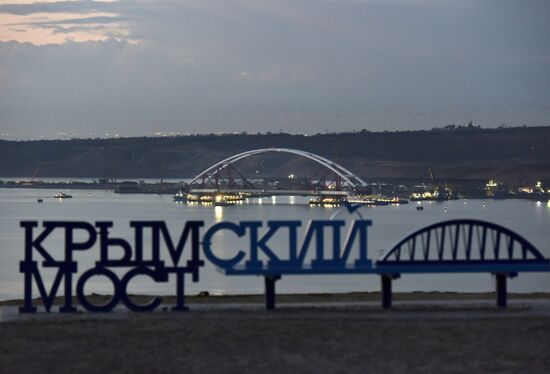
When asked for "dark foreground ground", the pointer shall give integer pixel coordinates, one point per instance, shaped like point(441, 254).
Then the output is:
point(415, 337)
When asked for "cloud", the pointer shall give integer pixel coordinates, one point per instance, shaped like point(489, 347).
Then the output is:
point(42, 23)
point(299, 66)
point(84, 20)
point(72, 29)
point(57, 7)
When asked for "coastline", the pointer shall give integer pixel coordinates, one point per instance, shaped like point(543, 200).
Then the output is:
point(170, 188)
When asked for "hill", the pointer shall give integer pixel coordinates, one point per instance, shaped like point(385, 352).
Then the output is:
point(520, 154)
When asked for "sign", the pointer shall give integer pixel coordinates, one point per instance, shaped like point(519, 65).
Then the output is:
point(169, 258)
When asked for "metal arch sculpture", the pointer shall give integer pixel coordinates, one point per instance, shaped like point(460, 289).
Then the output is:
point(463, 245)
point(353, 180)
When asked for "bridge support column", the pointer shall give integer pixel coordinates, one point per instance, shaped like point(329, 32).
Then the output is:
point(386, 291)
point(270, 291)
point(501, 289)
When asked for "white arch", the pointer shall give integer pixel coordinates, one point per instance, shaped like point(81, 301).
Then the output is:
point(352, 179)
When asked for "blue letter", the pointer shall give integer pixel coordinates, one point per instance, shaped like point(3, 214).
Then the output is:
point(207, 244)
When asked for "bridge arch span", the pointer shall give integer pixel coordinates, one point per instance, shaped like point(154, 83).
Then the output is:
point(353, 180)
point(464, 241)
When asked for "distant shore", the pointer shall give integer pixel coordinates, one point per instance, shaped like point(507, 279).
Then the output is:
point(122, 187)
point(511, 155)
point(171, 188)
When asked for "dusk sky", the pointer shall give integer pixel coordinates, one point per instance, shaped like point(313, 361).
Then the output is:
point(135, 67)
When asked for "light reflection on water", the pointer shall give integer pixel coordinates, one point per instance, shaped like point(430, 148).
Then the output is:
point(218, 213)
point(390, 224)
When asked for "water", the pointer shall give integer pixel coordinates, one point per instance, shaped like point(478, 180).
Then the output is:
point(390, 224)
point(91, 180)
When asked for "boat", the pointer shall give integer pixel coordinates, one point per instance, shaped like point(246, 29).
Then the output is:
point(211, 198)
point(40, 200)
point(364, 200)
point(376, 200)
point(216, 199)
point(180, 197)
point(62, 195)
point(327, 201)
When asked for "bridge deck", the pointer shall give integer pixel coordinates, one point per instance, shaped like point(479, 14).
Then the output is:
point(403, 267)
point(471, 266)
point(269, 192)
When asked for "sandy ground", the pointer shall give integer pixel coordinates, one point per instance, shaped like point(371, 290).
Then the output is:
point(311, 297)
point(422, 335)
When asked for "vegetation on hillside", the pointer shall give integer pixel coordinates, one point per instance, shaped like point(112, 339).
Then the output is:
point(521, 153)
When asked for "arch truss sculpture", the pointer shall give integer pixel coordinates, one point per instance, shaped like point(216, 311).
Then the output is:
point(466, 242)
point(461, 246)
point(455, 246)
point(213, 172)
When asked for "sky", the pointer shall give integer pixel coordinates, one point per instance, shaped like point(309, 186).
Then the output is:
point(137, 67)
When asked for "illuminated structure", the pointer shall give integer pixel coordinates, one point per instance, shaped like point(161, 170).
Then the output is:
point(222, 182)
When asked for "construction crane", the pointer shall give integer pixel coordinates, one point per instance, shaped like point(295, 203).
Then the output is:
point(431, 174)
point(35, 172)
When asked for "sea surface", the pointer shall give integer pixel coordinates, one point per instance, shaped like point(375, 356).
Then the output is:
point(390, 224)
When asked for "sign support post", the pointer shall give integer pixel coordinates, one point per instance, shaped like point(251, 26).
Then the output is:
point(270, 291)
point(386, 290)
point(501, 289)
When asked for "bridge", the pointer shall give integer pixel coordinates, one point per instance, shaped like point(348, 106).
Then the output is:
point(454, 246)
point(461, 246)
point(223, 178)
